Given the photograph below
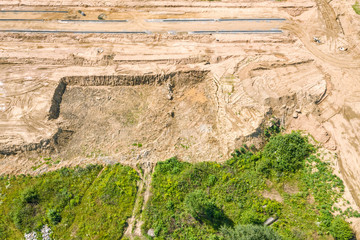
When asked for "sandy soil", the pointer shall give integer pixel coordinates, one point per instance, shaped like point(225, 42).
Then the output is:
point(237, 82)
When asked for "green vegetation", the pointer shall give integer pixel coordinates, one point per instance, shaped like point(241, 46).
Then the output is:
point(92, 202)
point(202, 208)
point(284, 154)
point(286, 181)
point(137, 145)
point(273, 129)
point(208, 200)
point(356, 7)
point(340, 229)
point(46, 160)
point(249, 232)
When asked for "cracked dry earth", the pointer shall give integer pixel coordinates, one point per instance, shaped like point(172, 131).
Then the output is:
point(106, 98)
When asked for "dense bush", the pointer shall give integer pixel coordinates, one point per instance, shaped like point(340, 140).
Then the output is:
point(286, 153)
point(30, 195)
point(54, 216)
point(171, 165)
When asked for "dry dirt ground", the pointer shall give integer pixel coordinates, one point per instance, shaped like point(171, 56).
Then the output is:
point(141, 98)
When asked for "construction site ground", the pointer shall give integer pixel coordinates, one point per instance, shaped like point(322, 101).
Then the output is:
point(136, 88)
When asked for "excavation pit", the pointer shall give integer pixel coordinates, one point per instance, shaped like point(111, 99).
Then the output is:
point(135, 117)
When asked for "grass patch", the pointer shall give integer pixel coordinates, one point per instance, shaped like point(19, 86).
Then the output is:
point(76, 203)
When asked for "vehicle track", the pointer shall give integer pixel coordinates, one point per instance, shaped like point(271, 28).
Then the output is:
point(338, 61)
point(329, 16)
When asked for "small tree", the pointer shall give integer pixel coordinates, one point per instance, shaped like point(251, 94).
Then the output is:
point(201, 207)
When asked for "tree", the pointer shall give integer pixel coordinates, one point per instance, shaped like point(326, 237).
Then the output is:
point(201, 207)
point(249, 232)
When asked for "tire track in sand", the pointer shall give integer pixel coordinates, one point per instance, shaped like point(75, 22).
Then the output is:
point(328, 14)
point(333, 59)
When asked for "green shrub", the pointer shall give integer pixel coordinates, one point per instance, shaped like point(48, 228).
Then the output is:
point(172, 165)
point(3, 234)
point(273, 129)
point(53, 216)
point(287, 152)
point(30, 195)
point(211, 180)
point(201, 207)
point(340, 229)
